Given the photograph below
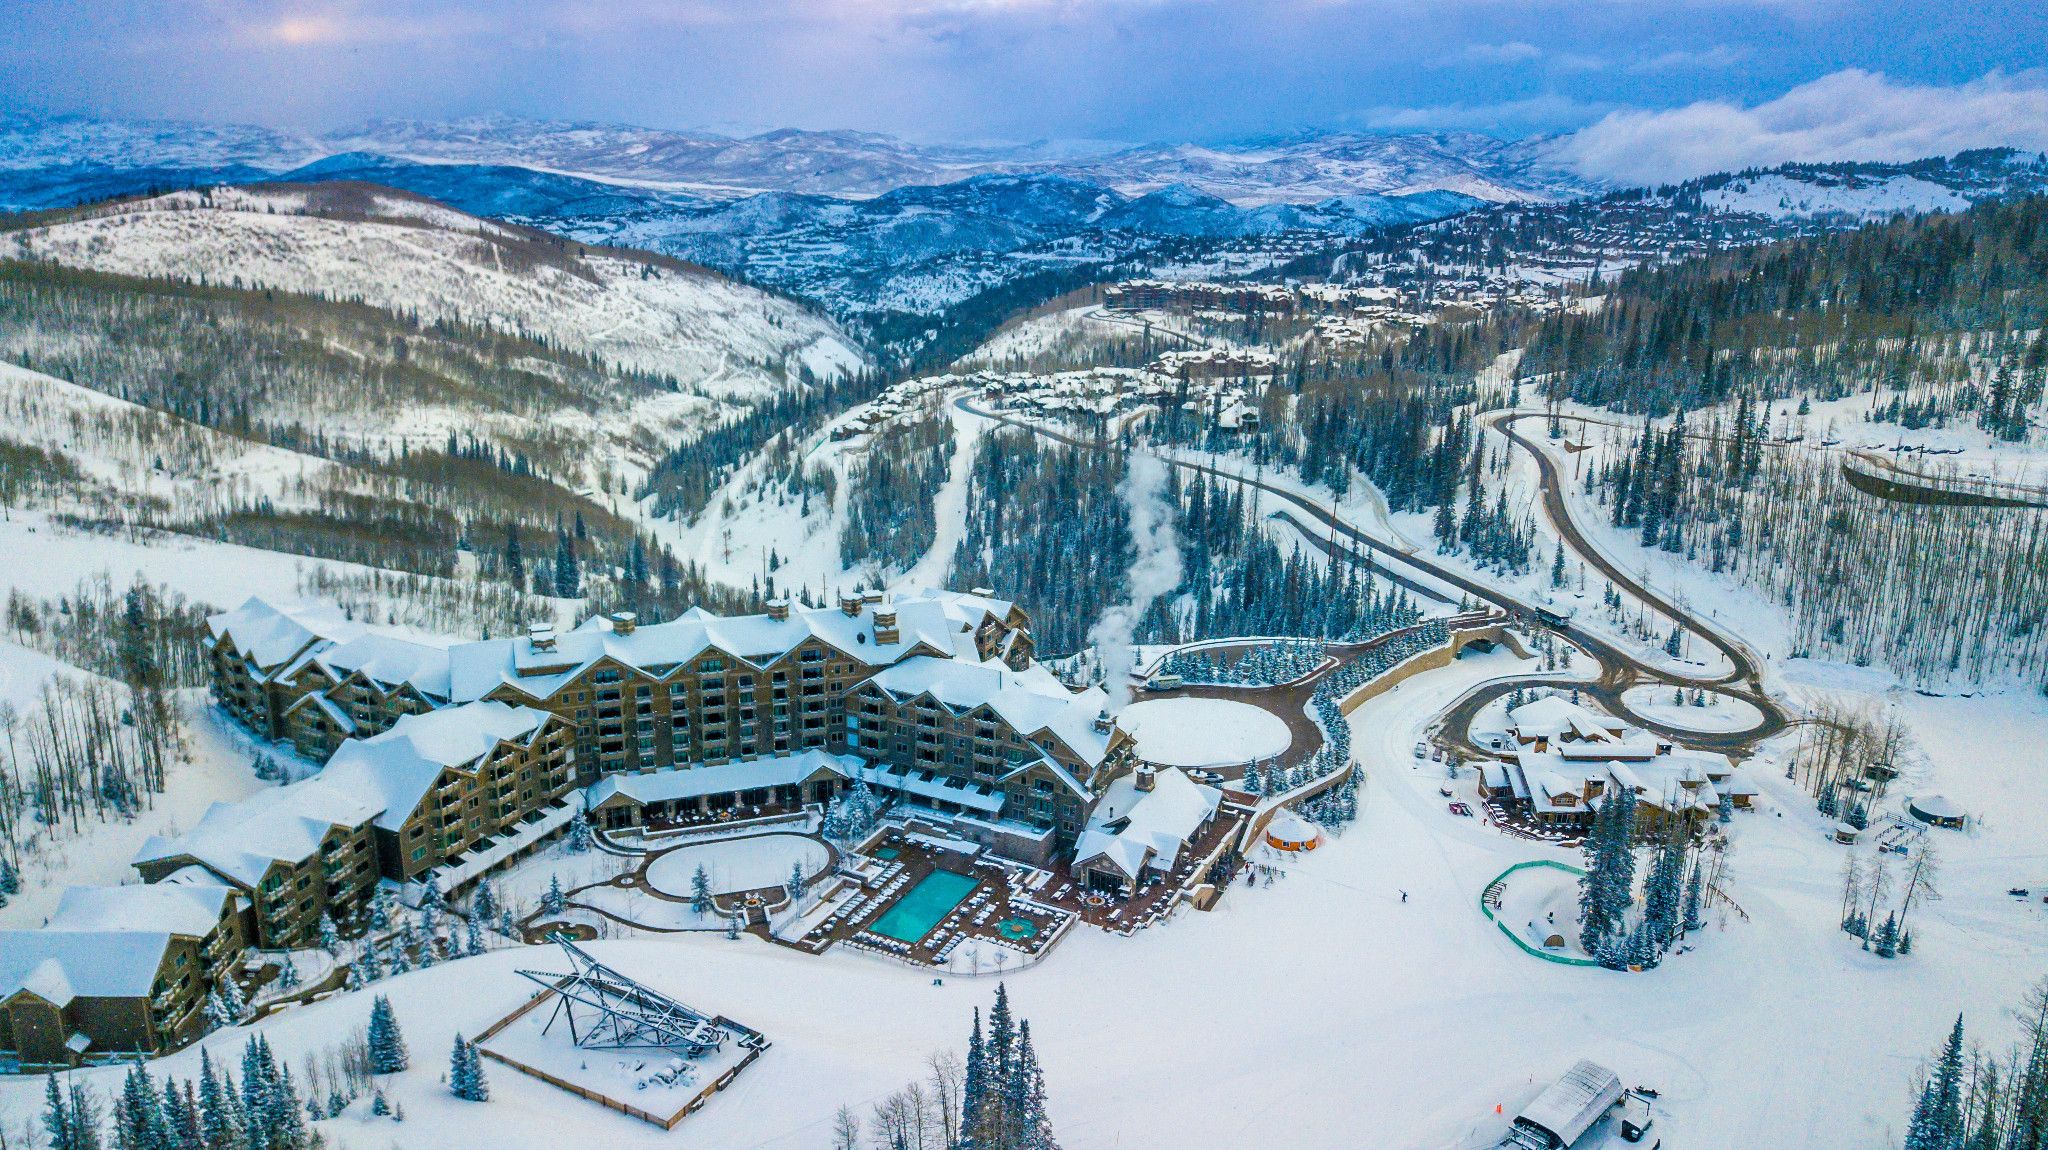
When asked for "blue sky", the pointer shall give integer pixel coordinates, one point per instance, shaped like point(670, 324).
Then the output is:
point(1204, 70)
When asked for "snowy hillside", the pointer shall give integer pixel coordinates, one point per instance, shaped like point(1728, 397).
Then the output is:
point(1784, 196)
point(412, 256)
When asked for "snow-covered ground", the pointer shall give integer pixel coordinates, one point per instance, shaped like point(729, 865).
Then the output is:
point(737, 864)
point(1718, 712)
point(412, 256)
point(1203, 732)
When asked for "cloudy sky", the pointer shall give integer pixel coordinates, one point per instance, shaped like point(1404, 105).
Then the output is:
point(1654, 87)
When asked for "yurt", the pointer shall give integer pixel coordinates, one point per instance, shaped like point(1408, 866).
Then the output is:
point(1936, 810)
point(1292, 833)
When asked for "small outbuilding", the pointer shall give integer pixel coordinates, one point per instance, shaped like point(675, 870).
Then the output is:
point(1567, 1108)
point(1291, 833)
point(1937, 811)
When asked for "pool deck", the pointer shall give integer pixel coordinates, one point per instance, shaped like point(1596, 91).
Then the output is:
point(969, 927)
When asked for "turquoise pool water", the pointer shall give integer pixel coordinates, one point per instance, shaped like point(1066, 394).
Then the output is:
point(914, 915)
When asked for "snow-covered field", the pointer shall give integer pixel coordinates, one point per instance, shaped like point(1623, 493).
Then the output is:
point(737, 864)
point(1719, 713)
point(1203, 732)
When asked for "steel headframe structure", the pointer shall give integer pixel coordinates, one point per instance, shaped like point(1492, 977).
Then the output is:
point(618, 1013)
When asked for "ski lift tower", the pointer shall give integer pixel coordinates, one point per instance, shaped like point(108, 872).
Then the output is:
point(605, 1010)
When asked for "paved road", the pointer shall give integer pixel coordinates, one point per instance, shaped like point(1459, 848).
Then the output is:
point(1619, 668)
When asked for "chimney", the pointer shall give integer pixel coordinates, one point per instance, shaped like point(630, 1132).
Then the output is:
point(850, 603)
point(542, 636)
point(778, 610)
point(874, 596)
point(623, 622)
point(1595, 786)
point(1105, 722)
point(885, 625)
point(1144, 778)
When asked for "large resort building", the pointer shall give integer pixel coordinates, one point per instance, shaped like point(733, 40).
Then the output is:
point(452, 759)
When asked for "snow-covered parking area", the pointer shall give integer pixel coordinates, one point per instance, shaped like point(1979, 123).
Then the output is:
point(1203, 732)
point(737, 864)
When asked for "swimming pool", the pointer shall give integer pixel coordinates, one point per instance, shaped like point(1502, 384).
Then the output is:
point(919, 910)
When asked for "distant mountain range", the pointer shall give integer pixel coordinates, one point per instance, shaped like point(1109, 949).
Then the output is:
point(1301, 169)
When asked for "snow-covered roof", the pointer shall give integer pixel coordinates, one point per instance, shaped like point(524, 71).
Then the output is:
point(1569, 1106)
point(726, 778)
point(1288, 827)
point(394, 771)
point(390, 661)
point(241, 840)
point(921, 624)
point(1030, 701)
point(269, 636)
point(61, 965)
point(1937, 807)
point(1132, 827)
point(1555, 716)
point(930, 785)
point(175, 908)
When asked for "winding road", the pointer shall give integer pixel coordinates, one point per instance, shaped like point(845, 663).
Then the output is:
point(1619, 669)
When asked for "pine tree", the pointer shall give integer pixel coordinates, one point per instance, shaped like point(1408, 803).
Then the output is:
point(484, 904)
point(466, 1073)
point(700, 890)
point(219, 1125)
point(387, 1045)
point(139, 1119)
point(1938, 1121)
point(794, 886)
point(330, 938)
point(568, 581)
point(473, 938)
point(1886, 942)
point(579, 833)
point(551, 900)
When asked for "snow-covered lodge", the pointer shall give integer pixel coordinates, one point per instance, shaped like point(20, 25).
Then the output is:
point(931, 697)
point(1566, 758)
point(117, 971)
point(453, 759)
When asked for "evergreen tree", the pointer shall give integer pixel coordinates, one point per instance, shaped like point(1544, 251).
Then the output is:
point(1938, 1120)
point(579, 833)
point(220, 1126)
point(700, 890)
point(466, 1073)
point(1886, 941)
point(794, 886)
point(551, 899)
point(568, 580)
point(139, 1119)
point(387, 1045)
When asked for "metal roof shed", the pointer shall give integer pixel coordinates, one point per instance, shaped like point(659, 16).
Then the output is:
point(1568, 1107)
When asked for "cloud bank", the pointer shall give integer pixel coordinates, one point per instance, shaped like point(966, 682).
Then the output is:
point(1847, 115)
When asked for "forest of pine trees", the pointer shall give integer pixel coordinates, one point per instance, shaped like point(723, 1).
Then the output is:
point(1972, 1097)
point(1936, 594)
point(993, 1100)
point(1235, 580)
point(1822, 316)
point(890, 522)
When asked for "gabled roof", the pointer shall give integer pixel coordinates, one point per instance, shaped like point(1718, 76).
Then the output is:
point(390, 661)
point(1030, 701)
point(393, 771)
point(61, 965)
point(270, 636)
point(173, 908)
point(240, 841)
point(1555, 716)
point(1131, 827)
point(922, 626)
